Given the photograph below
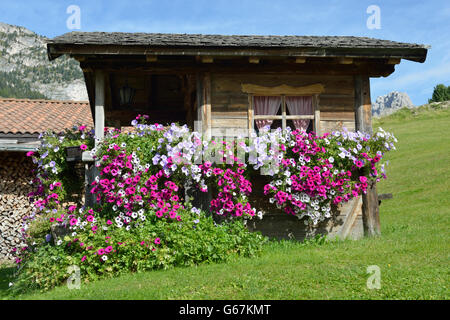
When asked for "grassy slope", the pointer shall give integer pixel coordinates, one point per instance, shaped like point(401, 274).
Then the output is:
point(413, 252)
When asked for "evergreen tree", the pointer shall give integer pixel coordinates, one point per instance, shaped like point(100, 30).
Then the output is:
point(440, 93)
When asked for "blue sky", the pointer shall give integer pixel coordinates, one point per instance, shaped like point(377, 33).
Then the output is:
point(424, 22)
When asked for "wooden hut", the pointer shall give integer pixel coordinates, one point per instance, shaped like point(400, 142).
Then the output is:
point(217, 80)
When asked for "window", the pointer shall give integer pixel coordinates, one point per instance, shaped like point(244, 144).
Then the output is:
point(296, 111)
point(284, 106)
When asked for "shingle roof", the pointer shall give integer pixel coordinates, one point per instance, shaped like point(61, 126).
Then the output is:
point(122, 43)
point(26, 116)
point(207, 40)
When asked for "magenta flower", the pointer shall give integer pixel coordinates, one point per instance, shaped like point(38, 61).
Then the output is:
point(157, 241)
point(83, 147)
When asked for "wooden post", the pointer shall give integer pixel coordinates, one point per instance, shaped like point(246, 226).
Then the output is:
point(91, 171)
point(200, 199)
point(316, 107)
point(250, 115)
point(206, 105)
point(99, 105)
point(363, 121)
point(363, 105)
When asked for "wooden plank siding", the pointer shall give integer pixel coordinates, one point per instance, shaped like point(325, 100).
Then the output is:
point(229, 104)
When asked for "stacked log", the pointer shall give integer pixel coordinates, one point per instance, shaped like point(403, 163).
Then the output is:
point(15, 176)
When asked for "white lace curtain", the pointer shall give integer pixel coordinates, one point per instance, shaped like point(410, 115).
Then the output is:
point(266, 106)
point(300, 106)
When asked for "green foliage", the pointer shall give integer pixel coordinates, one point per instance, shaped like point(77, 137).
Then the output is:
point(13, 86)
point(440, 93)
point(39, 228)
point(53, 167)
point(154, 245)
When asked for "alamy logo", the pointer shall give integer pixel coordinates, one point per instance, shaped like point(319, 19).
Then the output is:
point(374, 20)
point(74, 280)
point(74, 20)
point(374, 280)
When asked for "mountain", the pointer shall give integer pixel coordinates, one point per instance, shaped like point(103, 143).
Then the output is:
point(26, 72)
point(388, 104)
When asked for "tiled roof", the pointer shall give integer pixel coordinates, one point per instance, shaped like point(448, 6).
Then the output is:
point(212, 40)
point(26, 116)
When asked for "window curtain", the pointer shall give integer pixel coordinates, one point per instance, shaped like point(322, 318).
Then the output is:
point(266, 106)
point(300, 106)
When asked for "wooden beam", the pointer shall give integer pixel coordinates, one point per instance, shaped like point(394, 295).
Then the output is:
point(282, 90)
point(290, 117)
point(183, 67)
point(206, 59)
point(151, 58)
point(253, 60)
point(80, 58)
point(363, 122)
point(394, 61)
point(345, 60)
point(87, 69)
point(416, 54)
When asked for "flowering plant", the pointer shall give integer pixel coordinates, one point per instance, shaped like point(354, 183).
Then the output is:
point(55, 178)
point(143, 174)
point(313, 173)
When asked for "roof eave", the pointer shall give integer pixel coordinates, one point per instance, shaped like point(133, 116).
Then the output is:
point(54, 50)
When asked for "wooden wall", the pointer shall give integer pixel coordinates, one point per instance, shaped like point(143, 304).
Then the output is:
point(229, 104)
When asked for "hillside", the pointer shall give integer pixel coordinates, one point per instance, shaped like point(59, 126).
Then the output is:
point(26, 72)
point(407, 113)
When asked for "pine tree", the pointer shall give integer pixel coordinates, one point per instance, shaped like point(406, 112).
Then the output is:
point(440, 93)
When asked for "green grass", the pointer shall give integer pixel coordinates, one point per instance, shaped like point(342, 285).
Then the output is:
point(412, 253)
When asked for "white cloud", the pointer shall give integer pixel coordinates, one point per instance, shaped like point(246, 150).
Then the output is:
point(440, 72)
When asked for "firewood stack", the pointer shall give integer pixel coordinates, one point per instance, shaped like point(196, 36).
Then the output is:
point(15, 176)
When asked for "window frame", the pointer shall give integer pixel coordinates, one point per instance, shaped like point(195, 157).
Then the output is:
point(283, 91)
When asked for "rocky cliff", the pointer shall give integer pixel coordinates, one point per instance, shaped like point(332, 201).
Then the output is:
point(26, 72)
point(387, 104)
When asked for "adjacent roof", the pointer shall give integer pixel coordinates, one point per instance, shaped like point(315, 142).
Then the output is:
point(412, 51)
point(26, 116)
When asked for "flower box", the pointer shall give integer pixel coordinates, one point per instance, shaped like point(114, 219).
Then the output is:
point(73, 153)
point(346, 223)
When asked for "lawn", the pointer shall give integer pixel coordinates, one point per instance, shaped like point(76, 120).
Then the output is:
point(412, 253)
